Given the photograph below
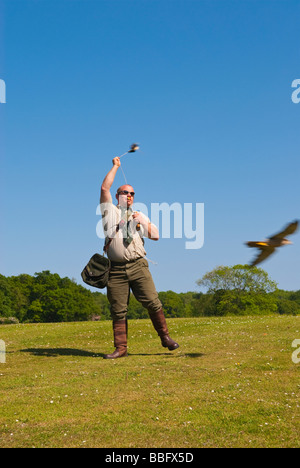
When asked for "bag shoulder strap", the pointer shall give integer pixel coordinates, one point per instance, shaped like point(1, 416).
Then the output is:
point(110, 239)
point(106, 246)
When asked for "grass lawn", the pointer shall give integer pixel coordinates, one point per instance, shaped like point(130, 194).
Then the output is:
point(232, 383)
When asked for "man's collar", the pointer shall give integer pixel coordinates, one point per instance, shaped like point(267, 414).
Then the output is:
point(125, 208)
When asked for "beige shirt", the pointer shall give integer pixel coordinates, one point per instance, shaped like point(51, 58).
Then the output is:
point(119, 250)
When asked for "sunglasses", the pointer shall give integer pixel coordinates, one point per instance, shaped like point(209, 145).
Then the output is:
point(125, 192)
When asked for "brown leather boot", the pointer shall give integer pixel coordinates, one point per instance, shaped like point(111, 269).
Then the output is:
point(120, 340)
point(160, 325)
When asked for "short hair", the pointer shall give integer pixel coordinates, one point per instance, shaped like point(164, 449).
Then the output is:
point(123, 186)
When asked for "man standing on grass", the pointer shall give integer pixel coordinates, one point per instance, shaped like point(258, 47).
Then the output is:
point(125, 230)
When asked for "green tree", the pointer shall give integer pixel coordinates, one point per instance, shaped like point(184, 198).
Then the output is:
point(239, 290)
point(45, 298)
point(173, 303)
point(295, 296)
point(288, 302)
point(238, 278)
point(203, 305)
point(12, 299)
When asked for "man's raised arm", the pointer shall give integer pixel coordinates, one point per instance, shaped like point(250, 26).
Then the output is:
point(105, 196)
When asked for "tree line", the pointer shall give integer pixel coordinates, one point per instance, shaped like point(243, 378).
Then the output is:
point(237, 290)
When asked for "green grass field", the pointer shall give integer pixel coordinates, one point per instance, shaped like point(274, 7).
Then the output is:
point(232, 383)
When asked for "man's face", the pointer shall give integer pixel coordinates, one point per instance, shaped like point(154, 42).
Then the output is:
point(125, 195)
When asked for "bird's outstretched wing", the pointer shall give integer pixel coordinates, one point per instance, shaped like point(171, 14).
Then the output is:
point(265, 252)
point(288, 230)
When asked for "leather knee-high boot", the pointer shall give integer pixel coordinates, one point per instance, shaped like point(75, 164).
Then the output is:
point(159, 322)
point(120, 340)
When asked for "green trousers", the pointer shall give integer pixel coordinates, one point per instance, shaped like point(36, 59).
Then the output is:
point(133, 276)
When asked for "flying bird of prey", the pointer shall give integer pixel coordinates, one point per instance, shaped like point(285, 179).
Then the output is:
point(268, 246)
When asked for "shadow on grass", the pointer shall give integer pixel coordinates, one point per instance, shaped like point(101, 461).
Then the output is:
point(194, 355)
point(53, 352)
point(170, 354)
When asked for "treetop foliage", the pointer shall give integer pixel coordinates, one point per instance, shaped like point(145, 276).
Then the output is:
point(239, 278)
point(237, 290)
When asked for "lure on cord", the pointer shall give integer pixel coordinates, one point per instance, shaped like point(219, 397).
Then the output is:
point(133, 148)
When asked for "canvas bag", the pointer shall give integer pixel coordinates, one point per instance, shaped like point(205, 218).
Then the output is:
point(96, 272)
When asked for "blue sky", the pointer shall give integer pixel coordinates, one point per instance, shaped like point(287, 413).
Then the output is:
point(203, 86)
